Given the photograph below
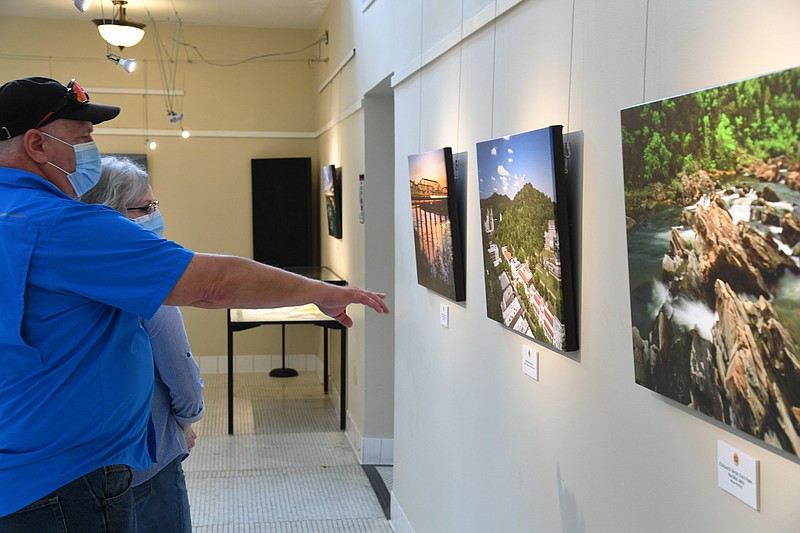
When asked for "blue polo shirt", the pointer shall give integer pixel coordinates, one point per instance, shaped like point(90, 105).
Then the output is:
point(76, 370)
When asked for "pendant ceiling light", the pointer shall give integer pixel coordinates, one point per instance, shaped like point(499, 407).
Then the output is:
point(119, 31)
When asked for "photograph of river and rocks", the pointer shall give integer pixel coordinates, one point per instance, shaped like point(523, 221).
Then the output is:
point(712, 200)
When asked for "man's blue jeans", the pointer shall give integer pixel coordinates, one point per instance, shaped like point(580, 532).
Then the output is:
point(162, 503)
point(100, 501)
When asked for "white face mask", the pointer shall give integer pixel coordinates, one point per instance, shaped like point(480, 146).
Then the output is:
point(88, 165)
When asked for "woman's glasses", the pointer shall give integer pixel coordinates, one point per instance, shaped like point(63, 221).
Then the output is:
point(148, 209)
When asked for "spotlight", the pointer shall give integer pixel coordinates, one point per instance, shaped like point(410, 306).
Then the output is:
point(82, 5)
point(129, 65)
point(151, 144)
point(185, 134)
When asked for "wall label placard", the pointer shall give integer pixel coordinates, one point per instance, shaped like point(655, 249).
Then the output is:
point(737, 474)
point(530, 362)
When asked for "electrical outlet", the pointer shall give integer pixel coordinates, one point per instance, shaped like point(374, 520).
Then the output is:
point(444, 315)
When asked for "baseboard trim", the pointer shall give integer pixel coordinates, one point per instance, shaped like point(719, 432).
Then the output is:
point(369, 451)
point(377, 451)
point(399, 520)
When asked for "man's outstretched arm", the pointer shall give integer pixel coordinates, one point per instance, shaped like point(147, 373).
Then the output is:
point(221, 281)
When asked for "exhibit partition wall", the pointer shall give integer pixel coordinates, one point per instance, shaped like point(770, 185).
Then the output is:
point(346, 254)
point(481, 442)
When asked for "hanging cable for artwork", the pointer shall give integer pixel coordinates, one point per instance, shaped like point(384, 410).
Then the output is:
point(567, 143)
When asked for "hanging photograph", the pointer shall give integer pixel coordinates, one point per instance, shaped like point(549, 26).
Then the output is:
point(712, 198)
point(361, 198)
point(525, 229)
point(434, 210)
point(332, 187)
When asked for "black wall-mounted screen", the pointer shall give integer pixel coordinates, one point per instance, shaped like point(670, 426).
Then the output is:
point(283, 232)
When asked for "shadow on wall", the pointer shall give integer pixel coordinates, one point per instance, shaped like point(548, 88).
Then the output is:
point(573, 153)
point(571, 519)
point(727, 428)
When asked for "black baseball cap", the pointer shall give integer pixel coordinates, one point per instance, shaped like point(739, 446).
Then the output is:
point(29, 103)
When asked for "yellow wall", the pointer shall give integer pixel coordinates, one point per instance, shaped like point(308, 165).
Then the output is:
point(341, 112)
point(235, 114)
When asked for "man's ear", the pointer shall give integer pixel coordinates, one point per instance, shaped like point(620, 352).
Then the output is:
point(32, 143)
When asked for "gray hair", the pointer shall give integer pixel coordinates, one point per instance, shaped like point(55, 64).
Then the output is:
point(122, 183)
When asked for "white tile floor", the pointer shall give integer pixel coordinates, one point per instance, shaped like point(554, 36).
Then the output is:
point(287, 468)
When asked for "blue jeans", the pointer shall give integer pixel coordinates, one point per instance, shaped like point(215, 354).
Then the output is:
point(162, 503)
point(100, 501)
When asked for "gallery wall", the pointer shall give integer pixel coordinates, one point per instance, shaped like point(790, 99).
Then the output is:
point(364, 255)
point(345, 256)
point(479, 446)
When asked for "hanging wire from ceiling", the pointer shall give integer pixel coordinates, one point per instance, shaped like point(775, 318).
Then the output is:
point(318, 43)
point(168, 64)
point(150, 143)
point(168, 60)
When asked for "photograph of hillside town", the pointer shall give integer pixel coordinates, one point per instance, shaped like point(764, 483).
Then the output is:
point(521, 245)
point(712, 199)
point(434, 213)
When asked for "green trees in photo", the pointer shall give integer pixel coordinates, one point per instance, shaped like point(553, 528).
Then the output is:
point(717, 129)
point(525, 222)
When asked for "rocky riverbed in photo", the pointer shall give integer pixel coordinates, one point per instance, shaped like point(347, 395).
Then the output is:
point(715, 290)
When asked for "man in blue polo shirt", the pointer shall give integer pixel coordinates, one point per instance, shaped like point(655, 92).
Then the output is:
point(76, 372)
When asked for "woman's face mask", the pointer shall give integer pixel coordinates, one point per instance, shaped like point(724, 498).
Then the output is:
point(88, 165)
point(153, 221)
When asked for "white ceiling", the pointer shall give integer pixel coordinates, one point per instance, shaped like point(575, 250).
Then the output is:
point(292, 14)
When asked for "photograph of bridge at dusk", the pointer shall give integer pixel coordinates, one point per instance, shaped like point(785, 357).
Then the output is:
point(439, 257)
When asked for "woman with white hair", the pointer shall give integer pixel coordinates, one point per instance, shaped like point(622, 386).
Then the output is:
point(162, 502)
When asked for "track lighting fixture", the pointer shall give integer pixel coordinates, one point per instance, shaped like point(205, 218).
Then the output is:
point(129, 65)
point(81, 5)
